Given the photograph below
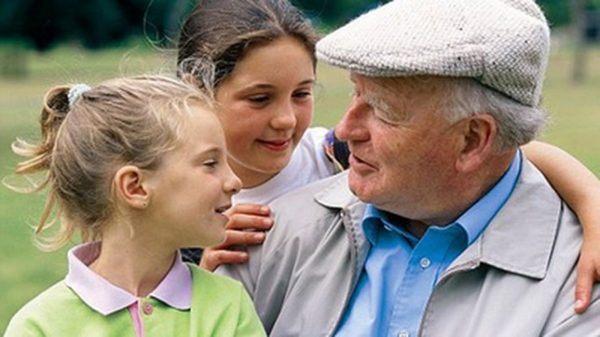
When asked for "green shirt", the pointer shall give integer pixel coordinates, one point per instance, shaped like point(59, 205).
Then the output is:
point(220, 307)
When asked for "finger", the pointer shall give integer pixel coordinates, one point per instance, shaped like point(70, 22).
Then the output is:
point(241, 238)
point(583, 288)
point(245, 221)
point(256, 209)
point(211, 259)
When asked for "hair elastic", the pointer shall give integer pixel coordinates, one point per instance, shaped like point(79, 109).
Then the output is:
point(75, 92)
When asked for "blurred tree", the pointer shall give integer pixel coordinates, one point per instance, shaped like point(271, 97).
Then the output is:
point(332, 13)
point(42, 24)
point(583, 27)
point(556, 11)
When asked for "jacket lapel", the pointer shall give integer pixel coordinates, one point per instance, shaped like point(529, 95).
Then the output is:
point(521, 237)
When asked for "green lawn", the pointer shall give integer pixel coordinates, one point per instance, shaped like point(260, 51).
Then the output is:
point(25, 271)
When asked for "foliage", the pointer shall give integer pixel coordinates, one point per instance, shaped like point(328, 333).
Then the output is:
point(331, 13)
point(96, 23)
point(557, 11)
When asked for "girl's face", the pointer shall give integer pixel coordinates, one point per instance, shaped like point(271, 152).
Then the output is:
point(193, 186)
point(265, 105)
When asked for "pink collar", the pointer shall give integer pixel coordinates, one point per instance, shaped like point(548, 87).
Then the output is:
point(175, 289)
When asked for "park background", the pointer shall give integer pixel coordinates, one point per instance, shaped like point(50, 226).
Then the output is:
point(45, 43)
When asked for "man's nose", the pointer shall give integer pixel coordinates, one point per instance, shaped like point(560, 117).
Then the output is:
point(352, 127)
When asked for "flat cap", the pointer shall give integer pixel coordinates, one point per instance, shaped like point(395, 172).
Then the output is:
point(503, 44)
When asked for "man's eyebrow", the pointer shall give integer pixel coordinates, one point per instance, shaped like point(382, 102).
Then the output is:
point(377, 102)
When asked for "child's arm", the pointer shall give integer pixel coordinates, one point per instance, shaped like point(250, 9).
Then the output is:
point(246, 226)
point(580, 189)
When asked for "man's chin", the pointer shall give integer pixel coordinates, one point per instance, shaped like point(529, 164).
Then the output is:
point(358, 187)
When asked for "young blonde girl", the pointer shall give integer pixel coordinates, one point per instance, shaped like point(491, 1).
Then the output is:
point(261, 53)
point(138, 167)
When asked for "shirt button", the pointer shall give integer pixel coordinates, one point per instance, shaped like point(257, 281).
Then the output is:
point(425, 263)
point(147, 308)
point(403, 333)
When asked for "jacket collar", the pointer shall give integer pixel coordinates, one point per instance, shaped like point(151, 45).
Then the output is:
point(521, 236)
point(519, 239)
point(337, 194)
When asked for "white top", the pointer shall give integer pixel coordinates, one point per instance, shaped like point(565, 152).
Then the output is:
point(308, 163)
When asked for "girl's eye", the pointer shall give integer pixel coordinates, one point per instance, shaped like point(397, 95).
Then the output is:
point(258, 99)
point(212, 163)
point(302, 94)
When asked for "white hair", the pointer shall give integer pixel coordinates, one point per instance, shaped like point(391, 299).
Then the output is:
point(517, 123)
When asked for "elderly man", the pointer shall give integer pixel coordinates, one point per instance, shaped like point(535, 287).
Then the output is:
point(454, 232)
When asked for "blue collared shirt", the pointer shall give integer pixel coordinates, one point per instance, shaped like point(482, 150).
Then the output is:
point(401, 270)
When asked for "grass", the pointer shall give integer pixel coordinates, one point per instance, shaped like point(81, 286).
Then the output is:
point(25, 271)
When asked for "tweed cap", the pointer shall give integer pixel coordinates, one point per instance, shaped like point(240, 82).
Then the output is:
point(503, 44)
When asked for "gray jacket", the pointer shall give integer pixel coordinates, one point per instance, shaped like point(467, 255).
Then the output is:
point(517, 279)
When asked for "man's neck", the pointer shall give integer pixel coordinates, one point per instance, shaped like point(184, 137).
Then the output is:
point(416, 228)
point(466, 192)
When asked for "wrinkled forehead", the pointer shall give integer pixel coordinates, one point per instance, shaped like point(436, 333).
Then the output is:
point(408, 89)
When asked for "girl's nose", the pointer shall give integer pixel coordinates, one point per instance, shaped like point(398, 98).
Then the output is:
point(285, 117)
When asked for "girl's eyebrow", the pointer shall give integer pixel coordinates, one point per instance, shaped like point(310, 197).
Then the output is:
point(261, 85)
point(309, 81)
point(202, 154)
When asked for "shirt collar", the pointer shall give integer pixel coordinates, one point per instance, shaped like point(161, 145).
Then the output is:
point(473, 221)
point(374, 218)
point(175, 289)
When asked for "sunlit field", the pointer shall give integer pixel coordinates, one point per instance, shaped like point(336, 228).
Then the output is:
point(25, 271)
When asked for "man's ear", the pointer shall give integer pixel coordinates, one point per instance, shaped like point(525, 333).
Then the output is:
point(478, 136)
point(130, 187)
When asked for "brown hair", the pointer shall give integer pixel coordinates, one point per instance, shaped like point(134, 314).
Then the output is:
point(218, 33)
point(122, 121)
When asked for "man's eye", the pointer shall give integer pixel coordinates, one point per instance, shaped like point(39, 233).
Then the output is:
point(384, 119)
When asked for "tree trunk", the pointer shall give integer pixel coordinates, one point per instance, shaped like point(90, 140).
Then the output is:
point(578, 32)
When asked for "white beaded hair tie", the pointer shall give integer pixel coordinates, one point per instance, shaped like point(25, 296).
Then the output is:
point(75, 93)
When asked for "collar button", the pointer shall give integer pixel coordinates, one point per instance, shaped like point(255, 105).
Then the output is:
point(148, 309)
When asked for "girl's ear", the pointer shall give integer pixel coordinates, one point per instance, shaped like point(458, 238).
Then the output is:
point(478, 136)
point(130, 188)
